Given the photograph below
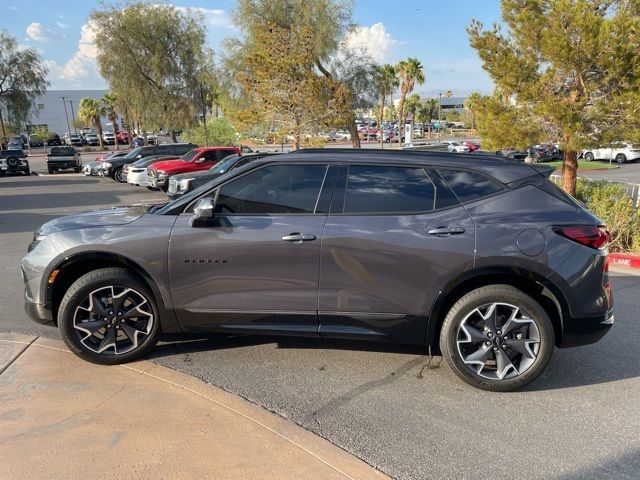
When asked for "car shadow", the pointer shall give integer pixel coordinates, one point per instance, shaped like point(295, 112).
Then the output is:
point(25, 222)
point(28, 182)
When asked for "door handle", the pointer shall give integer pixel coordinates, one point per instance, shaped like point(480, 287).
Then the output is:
point(299, 237)
point(446, 231)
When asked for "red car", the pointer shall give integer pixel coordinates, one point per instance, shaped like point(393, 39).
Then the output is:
point(193, 161)
point(472, 146)
point(123, 137)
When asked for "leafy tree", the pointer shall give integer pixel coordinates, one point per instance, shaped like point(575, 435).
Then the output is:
point(216, 131)
point(427, 111)
point(22, 79)
point(386, 82)
point(411, 106)
point(410, 72)
point(573, 78)
point(151, 55)
point(110, 108)
point(91, 110)
point(472, 103)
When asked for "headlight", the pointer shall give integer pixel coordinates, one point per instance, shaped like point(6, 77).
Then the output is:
point(184, 184)
point(106, 165)
point(160, 172)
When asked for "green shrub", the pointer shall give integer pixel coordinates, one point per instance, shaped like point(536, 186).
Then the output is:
point(219, 132)
point(614, 206)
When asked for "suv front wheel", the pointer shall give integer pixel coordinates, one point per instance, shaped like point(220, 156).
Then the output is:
point(108, 316)
point(497, 338)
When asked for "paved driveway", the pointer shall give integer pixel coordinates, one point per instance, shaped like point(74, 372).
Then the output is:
point(388, 405)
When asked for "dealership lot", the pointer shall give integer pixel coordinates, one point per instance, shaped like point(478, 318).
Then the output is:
point(388, 405)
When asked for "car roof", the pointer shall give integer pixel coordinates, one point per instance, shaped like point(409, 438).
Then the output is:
point(503, 169)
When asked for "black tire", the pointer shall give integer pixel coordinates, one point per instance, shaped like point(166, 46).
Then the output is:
point(152, 189)
point(588, 157)
point(2, 173)
point(117, 176)
point(51, 170)
point(465, 307)
point(77, 169)
point(79, 292)
point(621, 158)
point(27, 172)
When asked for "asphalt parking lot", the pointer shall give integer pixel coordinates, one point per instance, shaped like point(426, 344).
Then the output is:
point(391, 406)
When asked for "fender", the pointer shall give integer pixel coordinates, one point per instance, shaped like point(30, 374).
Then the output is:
point(168, 318)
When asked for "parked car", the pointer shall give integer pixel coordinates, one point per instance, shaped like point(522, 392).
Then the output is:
point(343, 135)
point(471, 145)
point(621, 152)
point(389, 136)
point(183, 183)
point(138, 142)
point(19, 140)
point(136, 172)
point(113, 167)
point(403, 247)
point(123, 137)
point(36, 140)
point(194, 161)
point(91, 139)
point(14, 144)
point(456, 147)
point(513, 154)
point(368, 133)
point(108, 138)
point(113, 155)
point(73, 140)
point(63, 158)
point(14, 161)
point(91, 169)
point(544, 153)
point(54, 140)
point(152, 140)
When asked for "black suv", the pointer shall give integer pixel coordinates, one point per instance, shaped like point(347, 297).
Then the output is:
point(13, 161)
point(481, 256)
point(113, 167)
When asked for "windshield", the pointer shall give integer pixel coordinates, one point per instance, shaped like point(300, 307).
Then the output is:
point(134, 153)
point(189, 155)
point(224, 165)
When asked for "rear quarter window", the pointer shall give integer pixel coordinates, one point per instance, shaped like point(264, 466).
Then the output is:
point(469, 186)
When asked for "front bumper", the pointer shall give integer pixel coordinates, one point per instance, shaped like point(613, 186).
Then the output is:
point(138, 178)
point(158, 182)
point(586, 330)
point(38, 313)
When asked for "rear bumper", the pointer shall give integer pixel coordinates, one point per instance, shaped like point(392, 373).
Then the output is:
point(14, 168)
point(585, 331)
point(63, 165)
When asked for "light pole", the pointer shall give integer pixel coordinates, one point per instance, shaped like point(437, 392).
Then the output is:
point(73, 116)
point(64, 102)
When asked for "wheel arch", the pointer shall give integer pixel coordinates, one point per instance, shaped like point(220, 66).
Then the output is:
point(540, 288)
point(73, 267)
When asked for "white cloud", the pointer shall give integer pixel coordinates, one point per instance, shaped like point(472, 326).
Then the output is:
point(212, 17)
point(83, 61)
point(14, 8)
point(375, 41)
point(62, 25)
point(37, 32)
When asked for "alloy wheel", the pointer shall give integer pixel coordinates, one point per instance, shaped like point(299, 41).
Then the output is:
point(113, 320)
point(498, 341)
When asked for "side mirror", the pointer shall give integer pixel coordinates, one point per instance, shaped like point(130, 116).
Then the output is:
point(203, 212)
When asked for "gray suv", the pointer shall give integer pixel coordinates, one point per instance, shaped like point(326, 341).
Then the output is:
point(480, 257)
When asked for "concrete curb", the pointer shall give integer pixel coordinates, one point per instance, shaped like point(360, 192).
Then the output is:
point(142, 420)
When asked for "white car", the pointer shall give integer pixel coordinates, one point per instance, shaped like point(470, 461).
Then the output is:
point(621, 152)
point(137, 175)
point(343, 135)
point(456, 147)
point(108, 138)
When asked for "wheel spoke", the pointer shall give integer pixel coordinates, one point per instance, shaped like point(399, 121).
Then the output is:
point(132, 333)
point(119, 300)
point(90, 327)
point(474, 335)
point(108, 340)
point(489, 317)
point(479, 356)
point(503, 363)
point(97, 306)
point(132, 311)
point(522, 347)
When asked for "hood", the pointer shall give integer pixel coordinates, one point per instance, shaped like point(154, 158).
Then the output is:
point(169, 165)
point(95, 218)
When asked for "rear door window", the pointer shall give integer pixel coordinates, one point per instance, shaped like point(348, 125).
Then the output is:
point(386, 189)
point(469, 186)
point(225, 153)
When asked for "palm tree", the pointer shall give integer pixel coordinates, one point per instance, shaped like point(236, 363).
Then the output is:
point(427, 111)
point(386, 82)
point(410, 72)
point(472, 103)
point(109, 105)
point(90, 110)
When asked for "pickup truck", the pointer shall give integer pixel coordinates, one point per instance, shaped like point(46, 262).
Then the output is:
point(195, 160)
point(63, 158)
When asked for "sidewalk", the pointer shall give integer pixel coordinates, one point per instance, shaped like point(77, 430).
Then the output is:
point(61, 417)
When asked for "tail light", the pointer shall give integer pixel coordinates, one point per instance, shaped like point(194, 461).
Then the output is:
point(596, 237)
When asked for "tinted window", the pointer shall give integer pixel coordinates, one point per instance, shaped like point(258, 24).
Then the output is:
point(373, 189)
point(469, 186)
point(273, 189)
point(210, 156)
point(225, 153)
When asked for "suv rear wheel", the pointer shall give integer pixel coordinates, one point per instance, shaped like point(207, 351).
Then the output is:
point(497, 338)
point(108, 316)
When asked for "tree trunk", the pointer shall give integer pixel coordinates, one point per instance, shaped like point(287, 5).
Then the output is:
point(355, 138)
point(401, 118)
point(569, 171)
point(98, 124)
point(381, 120)
point(173, 136)
point(114, 122)
point(4, 133)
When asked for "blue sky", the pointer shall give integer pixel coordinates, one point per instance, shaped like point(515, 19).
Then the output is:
point(432, 31)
